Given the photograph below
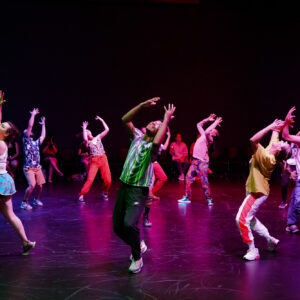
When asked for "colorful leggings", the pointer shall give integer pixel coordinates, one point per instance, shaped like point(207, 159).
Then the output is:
point(200, 169)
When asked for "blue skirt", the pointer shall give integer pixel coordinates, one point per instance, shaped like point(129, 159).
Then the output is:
point(7, 185)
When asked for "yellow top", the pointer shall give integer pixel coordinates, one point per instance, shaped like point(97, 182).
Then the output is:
point(261, 168)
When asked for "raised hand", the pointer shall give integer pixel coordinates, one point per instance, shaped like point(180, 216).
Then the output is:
point(289, 119)
point(98, 118)
point(169, 112)
point(219, 121)
point(151, 102)
point(42, 121)
point(212, 117)
point(35, 111)
point(85, 125)
point(2, 97)
point(277, 125)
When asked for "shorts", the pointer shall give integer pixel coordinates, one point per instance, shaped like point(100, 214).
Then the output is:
point(34, 176)
point(7, 185)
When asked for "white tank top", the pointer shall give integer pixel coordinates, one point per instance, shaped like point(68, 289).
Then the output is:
point(3, 159)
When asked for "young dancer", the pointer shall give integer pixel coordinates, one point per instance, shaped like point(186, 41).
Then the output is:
point(159, 178)
point(50, 152)
point(32, 167)
point(136, 178)
point(98, 160)
point(262, 165)
point(180, 155)
point(8, 132)
point(294, 208)
point(200, 161)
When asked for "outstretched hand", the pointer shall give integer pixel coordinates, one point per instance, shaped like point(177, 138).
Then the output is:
point(150, 102)
point(277, 125)
point(98, 118)
point(212, 117)
point(42, 121)
point(169, 112)
point(85, 125)
point(289, 119)
point(35, 111)
point(219, 121)
point(2, 97)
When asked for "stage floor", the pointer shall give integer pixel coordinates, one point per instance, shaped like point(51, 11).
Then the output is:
point(195, 252)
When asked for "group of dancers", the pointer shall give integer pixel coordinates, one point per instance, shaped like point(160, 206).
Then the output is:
point(142, 176)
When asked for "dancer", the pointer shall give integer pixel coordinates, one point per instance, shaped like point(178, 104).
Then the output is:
point(294, 208)
point(32, 167)
point(12, 161)
point(8, 132)
point(262, 165)
point(179, 152)
point(98, 160)
point(158, 180)
point(50, 152)
point(200, 161)
point(136, 178)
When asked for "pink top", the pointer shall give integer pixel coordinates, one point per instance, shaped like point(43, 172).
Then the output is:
point(201, 148)
point(179, 151)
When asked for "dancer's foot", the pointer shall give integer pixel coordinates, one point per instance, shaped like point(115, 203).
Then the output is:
point(25, 205)
point(272, 243)
point(37, 202)
point(292, 228)
point(155, 198)
point(282, 205)
point(104, 196)
point(50, 180)
point(252, 254)
point(146, 222)
point(184, 200)
point(27, 247)
point(81, 199)
point(209, 202)
point(136, 266)
point(181, 177)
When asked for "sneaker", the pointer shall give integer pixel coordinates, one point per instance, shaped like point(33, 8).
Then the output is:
point(104, 196)
point(28, 247)
point(146, 222)
point(81, 199)
point(184, 200)
point(292, 228)
point(136, 266)
point(181, 177)
point(272, 243)
point(25, 205)
point(143, 248)
point(37, 202)
point(252, 254)
point(282, 205)
point(209, 202)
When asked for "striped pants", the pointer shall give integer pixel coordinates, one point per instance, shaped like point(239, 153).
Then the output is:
point(246, 220)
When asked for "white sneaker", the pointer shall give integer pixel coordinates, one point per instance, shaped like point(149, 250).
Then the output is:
point(272, 243)
point(136, 266)
point(104, 196)
point(252, 254)
point(181, 177)
point(143, 248)
point(26, 206)
point(81, 199)
point(37, 202)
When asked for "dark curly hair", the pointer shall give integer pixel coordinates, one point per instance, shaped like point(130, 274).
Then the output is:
point(12, 132)
point(284, 154)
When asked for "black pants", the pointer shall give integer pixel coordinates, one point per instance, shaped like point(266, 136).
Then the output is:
point(128, 208)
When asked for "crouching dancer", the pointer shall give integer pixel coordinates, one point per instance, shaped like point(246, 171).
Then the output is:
point(136, 178)
point(262, 165)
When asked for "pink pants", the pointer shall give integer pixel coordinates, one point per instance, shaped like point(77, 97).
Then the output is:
point(97, 162)
point(246, 220)
point(160, 177)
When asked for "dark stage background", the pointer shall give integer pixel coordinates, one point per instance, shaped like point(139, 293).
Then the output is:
point(74, 60)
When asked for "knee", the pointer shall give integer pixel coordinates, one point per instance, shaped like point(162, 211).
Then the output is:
point(31, 187)
point(164, 178)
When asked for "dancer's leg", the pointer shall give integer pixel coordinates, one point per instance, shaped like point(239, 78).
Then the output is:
point(91, 177)
point(105, 173)
point(160, 175)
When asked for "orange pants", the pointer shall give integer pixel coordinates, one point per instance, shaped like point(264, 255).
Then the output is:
point(97, 162)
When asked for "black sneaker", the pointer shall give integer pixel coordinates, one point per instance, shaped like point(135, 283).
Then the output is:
point(28, 247)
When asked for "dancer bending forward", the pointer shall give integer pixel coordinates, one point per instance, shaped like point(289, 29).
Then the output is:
point(263, 163)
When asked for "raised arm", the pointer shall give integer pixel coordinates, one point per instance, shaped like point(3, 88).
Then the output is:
point(127, 118)
point(158, 139)
point(211, 118)
point(216, 123)
point(275, 127)
point(166, 144)
point(106, 129)
point(1, 103)
point(33, 113)
point(84, 134)
point(43, 132)
point(289, 120)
